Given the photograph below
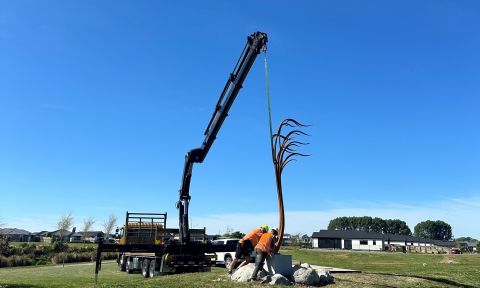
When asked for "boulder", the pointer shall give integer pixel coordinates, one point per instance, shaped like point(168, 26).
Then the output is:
point(243, 274)
point(325, 277)
point(305, 265)
point(306, 276)
point(279, 279)
point(266, 279)
point(296, 267)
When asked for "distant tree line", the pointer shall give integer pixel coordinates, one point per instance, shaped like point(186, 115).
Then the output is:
point(466, 239)
point(369, 224)
point(236, 234)
point(437, 230)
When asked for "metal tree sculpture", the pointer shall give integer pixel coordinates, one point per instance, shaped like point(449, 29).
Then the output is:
point(284, 152)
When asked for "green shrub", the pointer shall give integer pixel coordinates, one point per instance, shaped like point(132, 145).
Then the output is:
point(82, 249)
point(45, 249)
point(22, 260)
point(3, 261)
point(60, 247)
point(16, 260)
point(4, 244)
point(71, 257)
point(24, 249)
point(42, 259)
point(30, 248)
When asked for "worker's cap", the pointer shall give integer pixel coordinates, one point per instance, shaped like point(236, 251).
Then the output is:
point(265, 227)
point(275, 231)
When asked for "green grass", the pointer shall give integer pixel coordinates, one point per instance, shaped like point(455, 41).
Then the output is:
point(82, 275)
point(454, 270)
point(378, 270)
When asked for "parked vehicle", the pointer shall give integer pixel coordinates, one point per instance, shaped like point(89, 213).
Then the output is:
point(225, 250)
point(455, 251)
point(146, 246)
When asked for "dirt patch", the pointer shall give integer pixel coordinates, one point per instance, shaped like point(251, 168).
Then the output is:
point(350, 280)
point(448, 261)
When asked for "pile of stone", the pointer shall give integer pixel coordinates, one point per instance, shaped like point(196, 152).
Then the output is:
point(302, 274)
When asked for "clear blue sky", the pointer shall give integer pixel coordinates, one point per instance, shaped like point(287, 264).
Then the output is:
point(100, 101)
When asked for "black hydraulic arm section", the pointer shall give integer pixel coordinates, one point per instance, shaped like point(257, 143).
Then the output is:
point(255, 43)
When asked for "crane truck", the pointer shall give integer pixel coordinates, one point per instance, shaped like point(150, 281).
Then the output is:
point(146, 244)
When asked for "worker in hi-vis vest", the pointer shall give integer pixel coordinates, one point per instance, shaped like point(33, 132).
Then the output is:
point(263, 248)
point(245, 246)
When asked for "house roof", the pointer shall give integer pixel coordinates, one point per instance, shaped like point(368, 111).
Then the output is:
point(61, 232)
point(89, 233)
point(41, 233)
point(13, 231)
point(351, 234)
point(444, 243)
point(468, 243)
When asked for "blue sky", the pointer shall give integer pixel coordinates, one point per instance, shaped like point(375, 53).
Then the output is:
point(100, 101)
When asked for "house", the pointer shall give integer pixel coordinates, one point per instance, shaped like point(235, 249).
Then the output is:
point(347, 239)
point(76, 237)
point(441, 243)
point(16, 235)
point(61, 235)
point(468, 246)
point(306, 241)
point(370, 241)
point(90, 236)
point(39, 236)
point(287, 240)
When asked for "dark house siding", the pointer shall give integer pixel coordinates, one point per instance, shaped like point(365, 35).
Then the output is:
point(329, 243)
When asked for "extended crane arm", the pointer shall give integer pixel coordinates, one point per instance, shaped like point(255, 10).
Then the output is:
point(255, 43)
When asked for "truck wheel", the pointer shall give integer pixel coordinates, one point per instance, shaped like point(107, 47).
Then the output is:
point(151, 268)
point(145, 268)
point(128, 266)
point(228, 261)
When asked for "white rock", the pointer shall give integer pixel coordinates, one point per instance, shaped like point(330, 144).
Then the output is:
point(306, 276)
point(296, 267)
point(244, 273)
point(279, 279)
point(305, 265)
point(325, 277)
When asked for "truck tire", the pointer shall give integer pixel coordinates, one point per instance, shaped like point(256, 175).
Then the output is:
point(151, 268)
point(146, 268)
point(228, 261)
point(128, 266)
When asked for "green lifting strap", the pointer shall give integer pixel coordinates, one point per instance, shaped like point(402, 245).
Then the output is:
point(267, 88)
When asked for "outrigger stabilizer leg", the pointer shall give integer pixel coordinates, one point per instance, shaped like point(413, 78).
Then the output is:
point(98, 261)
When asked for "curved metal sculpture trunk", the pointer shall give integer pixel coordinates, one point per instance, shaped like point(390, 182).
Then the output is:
point(284, 152)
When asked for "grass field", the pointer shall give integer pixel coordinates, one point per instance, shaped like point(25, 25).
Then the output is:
point(415, 270)
point(378, 270)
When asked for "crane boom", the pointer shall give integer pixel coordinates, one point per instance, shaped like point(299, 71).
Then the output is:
point(255, 43)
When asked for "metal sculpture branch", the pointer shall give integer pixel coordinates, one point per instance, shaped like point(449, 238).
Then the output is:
point(283, 152)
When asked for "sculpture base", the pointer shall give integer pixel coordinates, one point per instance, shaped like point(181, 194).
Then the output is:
point(280, 264)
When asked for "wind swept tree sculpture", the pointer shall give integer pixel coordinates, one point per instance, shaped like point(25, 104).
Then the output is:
point(284, 145)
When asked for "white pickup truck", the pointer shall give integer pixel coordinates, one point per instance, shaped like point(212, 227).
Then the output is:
point(225, 250)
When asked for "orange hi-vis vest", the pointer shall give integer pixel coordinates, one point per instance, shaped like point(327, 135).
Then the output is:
point(265, 243)
point(253, 236)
